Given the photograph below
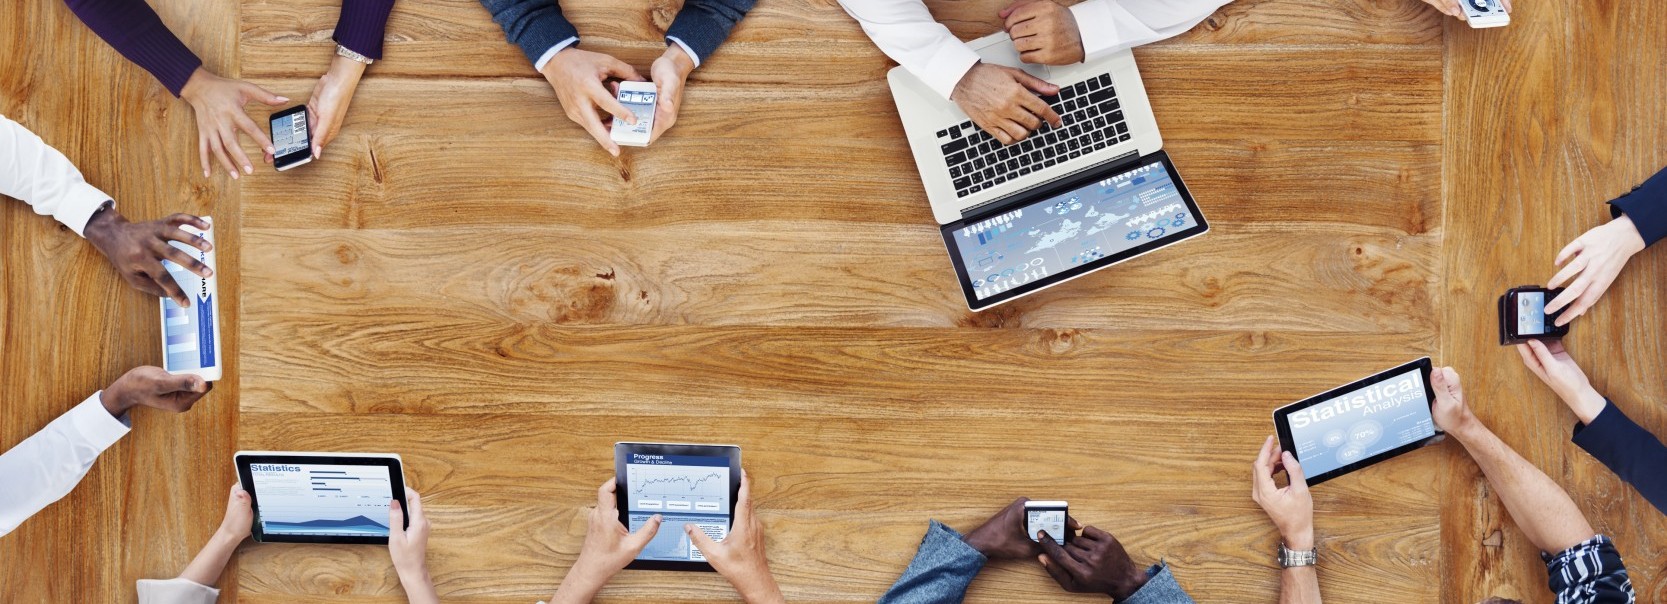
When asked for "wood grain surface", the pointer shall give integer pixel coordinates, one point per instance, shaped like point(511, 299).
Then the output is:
point(466, 279)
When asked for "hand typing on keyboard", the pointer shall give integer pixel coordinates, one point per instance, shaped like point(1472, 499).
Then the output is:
point(1004, 102)
point(1043, 31)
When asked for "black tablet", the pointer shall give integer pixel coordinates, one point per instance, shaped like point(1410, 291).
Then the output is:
point(321, 497)
point(1071, 227)
point(684, 484)
point(1348, 428)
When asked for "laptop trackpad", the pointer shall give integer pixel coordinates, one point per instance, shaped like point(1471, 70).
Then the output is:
point(1005, 54)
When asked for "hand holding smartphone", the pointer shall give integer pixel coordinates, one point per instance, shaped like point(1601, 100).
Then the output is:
point(639, 98)
point(1047, 516)
point(1522, 315)
point(292, 139)
point(1485, 13)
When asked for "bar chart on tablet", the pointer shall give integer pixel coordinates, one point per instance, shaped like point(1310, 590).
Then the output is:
point(323, 500)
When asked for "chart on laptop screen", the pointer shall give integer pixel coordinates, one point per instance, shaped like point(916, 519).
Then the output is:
point(322, 499)
point(1073, 228)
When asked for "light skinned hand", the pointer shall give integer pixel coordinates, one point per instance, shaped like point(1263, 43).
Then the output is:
point(408, 548)
point(1452, 8)
point(609, 546)
point(240, 515)
point(137, 249)
point(1043, 31)
point(218, 105)
point(1593, 260)
point(1291, 507)
point(327, 107)
point(669, 72)
point(1003, 101)
point(580, 78)
point(1553, 365)
point(1449, 411)
point(1094, 562)
point(740, 556)
point(155, 388)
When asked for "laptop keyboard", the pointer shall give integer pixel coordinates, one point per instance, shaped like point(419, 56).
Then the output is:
point(1091, 119)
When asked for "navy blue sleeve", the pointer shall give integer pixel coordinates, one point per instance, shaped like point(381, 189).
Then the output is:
point(1629, 451)
point(534, 25)
point(1646, 205)
point(703, 25)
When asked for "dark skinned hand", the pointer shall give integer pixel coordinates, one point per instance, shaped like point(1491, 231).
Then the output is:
point(1094, 562)
point(1002, 537)
point(153, 387)
point(137, 250)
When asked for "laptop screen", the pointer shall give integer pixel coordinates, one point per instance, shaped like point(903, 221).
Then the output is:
point(1085, 224)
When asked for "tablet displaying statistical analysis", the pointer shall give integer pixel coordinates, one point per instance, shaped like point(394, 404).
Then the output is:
point(686, 485)
point(321, 497)
point(1359, 424)
point(1084, 225)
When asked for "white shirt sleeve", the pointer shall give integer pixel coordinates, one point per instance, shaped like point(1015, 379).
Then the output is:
point(46, 466)
point(45, 179)
point(1111, 25)
point(906, 32)
point(544, 59)
point(176, 591)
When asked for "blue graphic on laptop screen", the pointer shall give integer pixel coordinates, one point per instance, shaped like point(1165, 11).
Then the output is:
point(1072, 229)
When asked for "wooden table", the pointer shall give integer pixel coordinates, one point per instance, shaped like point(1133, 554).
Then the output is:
point(466, 279)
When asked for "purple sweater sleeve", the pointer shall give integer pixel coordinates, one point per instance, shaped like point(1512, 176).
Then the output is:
point(361, 25)
point(134, 30)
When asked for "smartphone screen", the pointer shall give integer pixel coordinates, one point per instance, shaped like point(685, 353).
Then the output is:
point(1051, 520)
point(291, 142)
point(1531, 313)
point(640, 102)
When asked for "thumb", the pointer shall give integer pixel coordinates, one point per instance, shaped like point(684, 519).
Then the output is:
point(263, 95)
point(1010, 7)
point(1032, 82)
point(396, 521)
point(182, 383)
point(622, 70)
point(640, 539)
point(1293, 470)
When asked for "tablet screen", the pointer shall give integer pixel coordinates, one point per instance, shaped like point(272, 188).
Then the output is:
point(1101, 218)
point(322, 500)
point(1362, 423)
point(682, 489)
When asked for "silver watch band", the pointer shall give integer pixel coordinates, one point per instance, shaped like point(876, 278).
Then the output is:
point(343, 51)
point(1289, 558)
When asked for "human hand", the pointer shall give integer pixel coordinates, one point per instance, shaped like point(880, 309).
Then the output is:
point(218, 104)
point(1552, 363)
point(578, 77)
point(1452, 8)
point(330, 98)
point(1094, 562)
point(138, 249)
point(240, 516)
point(1597, 257)
point(1043, 31)
point(740, 556)
point(1003, 535)
point(155, 388)
point(1449, 410)
point(1291, 508)
point(609, 546)
point(408, 548)
point(669, 73)
point(1003, 101)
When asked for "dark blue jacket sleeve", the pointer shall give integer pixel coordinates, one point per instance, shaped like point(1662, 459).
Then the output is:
point(1629, 451)
point(1646, 205)
point(704, 24)
point(534, 25)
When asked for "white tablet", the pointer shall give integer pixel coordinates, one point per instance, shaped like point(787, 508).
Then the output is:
point(191, 335)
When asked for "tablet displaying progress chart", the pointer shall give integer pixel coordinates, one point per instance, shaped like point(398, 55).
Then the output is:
point(1359, 424)
point(685, 485)
point(321, 498)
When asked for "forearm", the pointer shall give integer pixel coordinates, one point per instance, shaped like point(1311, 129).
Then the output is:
point(1299, 585)
point(419, 586)
point(905, 31)
point(1107, 26)
point(941, 571)
point(362, 25)
point(205, 569)
point(580, 586)
point(134, 30)
point(47, 465)
point(37, 174)
point(1628, 450)
point(534, 25)
point(758, 588)
point(703, 25)
point(1541, 509)
point(1646, 207)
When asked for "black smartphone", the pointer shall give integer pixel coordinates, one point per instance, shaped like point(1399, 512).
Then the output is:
point(292, 139)
point(1047, 516)
point(1522, 315)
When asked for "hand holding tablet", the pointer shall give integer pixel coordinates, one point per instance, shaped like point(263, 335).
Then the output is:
point(322, 497)
point(1359, 424)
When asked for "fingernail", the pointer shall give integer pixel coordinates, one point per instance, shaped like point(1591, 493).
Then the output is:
point(248, 170)
point(283, 99)
point(208, 272)
point(234, 174)
point(205, 173)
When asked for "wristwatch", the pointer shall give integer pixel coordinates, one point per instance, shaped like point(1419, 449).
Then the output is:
point(343, 51)
point(1292, 558)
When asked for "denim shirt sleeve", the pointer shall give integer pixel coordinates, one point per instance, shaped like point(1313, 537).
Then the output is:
point(942, 569)
point(1160, 588)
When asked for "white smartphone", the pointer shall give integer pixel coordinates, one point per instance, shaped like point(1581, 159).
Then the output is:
point(191, 335)
point(1485, 13)
point(638, 98)
point(1047, 516)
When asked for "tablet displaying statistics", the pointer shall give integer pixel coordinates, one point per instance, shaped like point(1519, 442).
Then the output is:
point(303, 497)
point(1359, 424)
point(686, 485)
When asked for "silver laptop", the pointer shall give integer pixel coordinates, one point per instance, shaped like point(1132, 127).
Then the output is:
point(1062, 203)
